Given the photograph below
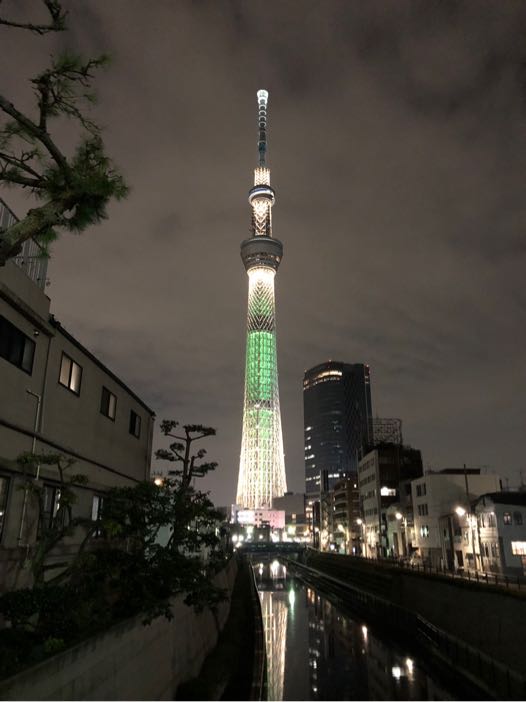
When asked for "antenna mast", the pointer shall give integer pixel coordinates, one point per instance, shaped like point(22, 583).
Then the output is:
point(262, 123)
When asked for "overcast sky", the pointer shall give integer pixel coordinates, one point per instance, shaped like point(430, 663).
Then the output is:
point(397, 149)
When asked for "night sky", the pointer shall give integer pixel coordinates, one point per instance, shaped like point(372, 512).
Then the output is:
point(397, 147)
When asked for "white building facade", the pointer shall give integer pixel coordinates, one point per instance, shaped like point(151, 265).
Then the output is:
point(436, 496)
point(501, 530)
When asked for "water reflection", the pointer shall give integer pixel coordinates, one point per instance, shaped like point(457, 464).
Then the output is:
point(316, 652)
point(275, 602)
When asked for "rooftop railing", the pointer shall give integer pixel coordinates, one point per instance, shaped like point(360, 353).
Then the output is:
point(31, 259)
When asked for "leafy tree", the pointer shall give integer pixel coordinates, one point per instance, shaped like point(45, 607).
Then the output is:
point(152, 569)
point(74, 189)
point(132, 569)
point(52, 526)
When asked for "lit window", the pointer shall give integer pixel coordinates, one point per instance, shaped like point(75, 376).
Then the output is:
point(135, 424)
point(16, 347)
point(50, 509)
point(506, 518)
point(518, 548)
point(70, 374)
point(108, 404)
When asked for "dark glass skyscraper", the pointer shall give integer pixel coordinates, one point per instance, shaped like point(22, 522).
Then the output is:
point(338, 423)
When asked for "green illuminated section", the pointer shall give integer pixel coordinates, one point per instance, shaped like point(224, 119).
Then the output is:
point(261, 365)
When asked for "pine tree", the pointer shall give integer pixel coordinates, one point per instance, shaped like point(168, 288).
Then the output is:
point(73, 191)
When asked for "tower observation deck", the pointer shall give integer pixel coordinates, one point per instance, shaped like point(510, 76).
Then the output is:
point(262, 463)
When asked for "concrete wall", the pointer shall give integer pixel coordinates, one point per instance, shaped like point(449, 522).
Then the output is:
point(130, 661)
point(484, 617)
point(489, 620)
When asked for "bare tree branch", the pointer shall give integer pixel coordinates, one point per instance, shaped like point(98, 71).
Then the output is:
point(57, 20)
point(33, 129)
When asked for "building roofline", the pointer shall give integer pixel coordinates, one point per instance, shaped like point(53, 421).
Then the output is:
point(58, 326)
point(332, 363)
point(506, 497)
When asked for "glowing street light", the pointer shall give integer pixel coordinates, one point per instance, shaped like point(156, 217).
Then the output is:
point(460, 511)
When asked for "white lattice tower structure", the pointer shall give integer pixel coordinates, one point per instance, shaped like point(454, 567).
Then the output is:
point(262, 463)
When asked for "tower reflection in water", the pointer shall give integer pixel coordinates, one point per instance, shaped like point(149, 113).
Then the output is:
point(271, 580)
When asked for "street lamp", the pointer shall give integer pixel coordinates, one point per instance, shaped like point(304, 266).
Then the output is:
point(461, 512)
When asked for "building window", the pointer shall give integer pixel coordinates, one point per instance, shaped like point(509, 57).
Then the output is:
point(16, 347)
point(424, 531)
point(507, 518)
point(108, 404)
point(50, 508)
point(96, 513)
point(135, 424)
point(70, 374)
point(491, 520)
point(517, 518)
point(518, 548)
point(4, 490)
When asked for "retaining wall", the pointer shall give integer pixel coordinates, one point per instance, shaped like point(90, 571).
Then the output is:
point(130, 661)
point(486, 617)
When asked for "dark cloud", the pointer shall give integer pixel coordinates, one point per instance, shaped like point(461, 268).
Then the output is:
point(398, 151)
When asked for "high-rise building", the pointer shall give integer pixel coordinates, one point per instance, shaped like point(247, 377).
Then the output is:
point(384, 479)
point(338, 423)
point(262, 463)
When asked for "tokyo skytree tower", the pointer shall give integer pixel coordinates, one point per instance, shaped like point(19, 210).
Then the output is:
point(262, 464)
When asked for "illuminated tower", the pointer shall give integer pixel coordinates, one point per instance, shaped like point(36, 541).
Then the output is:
point(262, 464)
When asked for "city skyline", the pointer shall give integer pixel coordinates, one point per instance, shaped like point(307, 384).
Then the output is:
point(400, 167)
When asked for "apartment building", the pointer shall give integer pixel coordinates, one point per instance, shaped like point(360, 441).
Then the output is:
point(56, 397)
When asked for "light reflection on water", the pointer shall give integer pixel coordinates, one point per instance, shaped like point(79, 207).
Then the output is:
point(316, 652)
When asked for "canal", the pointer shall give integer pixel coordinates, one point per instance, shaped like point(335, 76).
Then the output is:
point(317, 651)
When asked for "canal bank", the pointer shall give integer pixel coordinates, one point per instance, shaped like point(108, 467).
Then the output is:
point(318, 649)
point(460, 625)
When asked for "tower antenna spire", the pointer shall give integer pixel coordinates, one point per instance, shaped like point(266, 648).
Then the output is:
point(262, 125)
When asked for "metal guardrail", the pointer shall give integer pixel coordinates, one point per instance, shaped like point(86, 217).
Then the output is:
point(31, 259)
point(515, 582)
point(33, 262)
point(510, 582)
